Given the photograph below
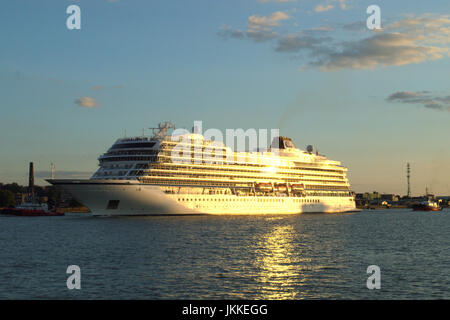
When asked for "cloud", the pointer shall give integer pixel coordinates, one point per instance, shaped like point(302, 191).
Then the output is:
point(414, 39)
point(355, 26)
point(276, 1)
point(424, 98)
point(403, 95)
point(97, 87)
point(260, 35)
point(427, 28)
point(380, 50)
point(86, 102)
point(428, 21)
point(410, 40)
point(331, 4)
point(297, 42)
point(323, 28)
point(259, 28)
point(257, 21)
point(323, 8)
point(226, 32)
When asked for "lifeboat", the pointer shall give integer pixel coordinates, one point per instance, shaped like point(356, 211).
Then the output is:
point(280, 187)
point(263, 187)
point(297, 187)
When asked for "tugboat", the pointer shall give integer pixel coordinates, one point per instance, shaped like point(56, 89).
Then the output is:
point(31, 208)
point(428, 205)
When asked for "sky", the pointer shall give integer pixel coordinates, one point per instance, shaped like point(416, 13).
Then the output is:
point(373, 99)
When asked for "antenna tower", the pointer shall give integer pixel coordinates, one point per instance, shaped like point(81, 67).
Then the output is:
point(408, 175)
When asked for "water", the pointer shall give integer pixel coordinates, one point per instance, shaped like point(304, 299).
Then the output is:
point(309, 256)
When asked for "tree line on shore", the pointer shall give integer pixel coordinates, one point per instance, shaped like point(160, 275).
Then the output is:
point(11, 195)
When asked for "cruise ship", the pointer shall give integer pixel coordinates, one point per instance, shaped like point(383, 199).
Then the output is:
point(148, 175)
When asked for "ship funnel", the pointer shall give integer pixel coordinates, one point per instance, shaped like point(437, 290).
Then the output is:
point(282, 143)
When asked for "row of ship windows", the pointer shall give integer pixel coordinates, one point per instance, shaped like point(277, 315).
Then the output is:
point(226, 170)
point(207, 176)
point(110, 173)
point(229, 192)
point(131, 153)
point(118, 166)
point(127, 166)
point(299, 167)
point(153, 159)
point(145, 166)
point(187, 161)
point(218, 183)
point(334, 189)
point(321, 187)
point(249, 200)
point(114, 159)
point(141, 173)
point(301, 198)
point(133, 145)
point(332, 194)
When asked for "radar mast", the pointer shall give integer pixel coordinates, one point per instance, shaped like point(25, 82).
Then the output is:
point(161, 131)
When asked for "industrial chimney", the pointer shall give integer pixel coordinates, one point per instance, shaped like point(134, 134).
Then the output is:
point(31, 182)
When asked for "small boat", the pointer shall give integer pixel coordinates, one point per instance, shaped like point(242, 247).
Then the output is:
point(29, 209)
point(298, 189)
point(264, 186)
point(280, 187)
point(428, 205)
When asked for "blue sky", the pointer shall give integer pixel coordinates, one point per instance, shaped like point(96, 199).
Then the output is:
point(374, 100)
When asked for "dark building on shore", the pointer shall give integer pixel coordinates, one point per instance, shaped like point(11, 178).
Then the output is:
point(375, 198)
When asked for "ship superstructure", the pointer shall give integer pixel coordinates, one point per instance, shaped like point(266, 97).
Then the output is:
point(188, 174)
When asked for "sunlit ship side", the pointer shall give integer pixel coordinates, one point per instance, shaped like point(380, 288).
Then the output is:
point(144, 176)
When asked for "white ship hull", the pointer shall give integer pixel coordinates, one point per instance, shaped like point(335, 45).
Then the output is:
point(130, 197)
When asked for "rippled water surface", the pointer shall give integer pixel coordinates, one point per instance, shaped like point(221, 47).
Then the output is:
point(309, 256)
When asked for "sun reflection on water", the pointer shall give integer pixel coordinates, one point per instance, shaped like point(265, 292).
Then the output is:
point(286, 263)
point(278, 264)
